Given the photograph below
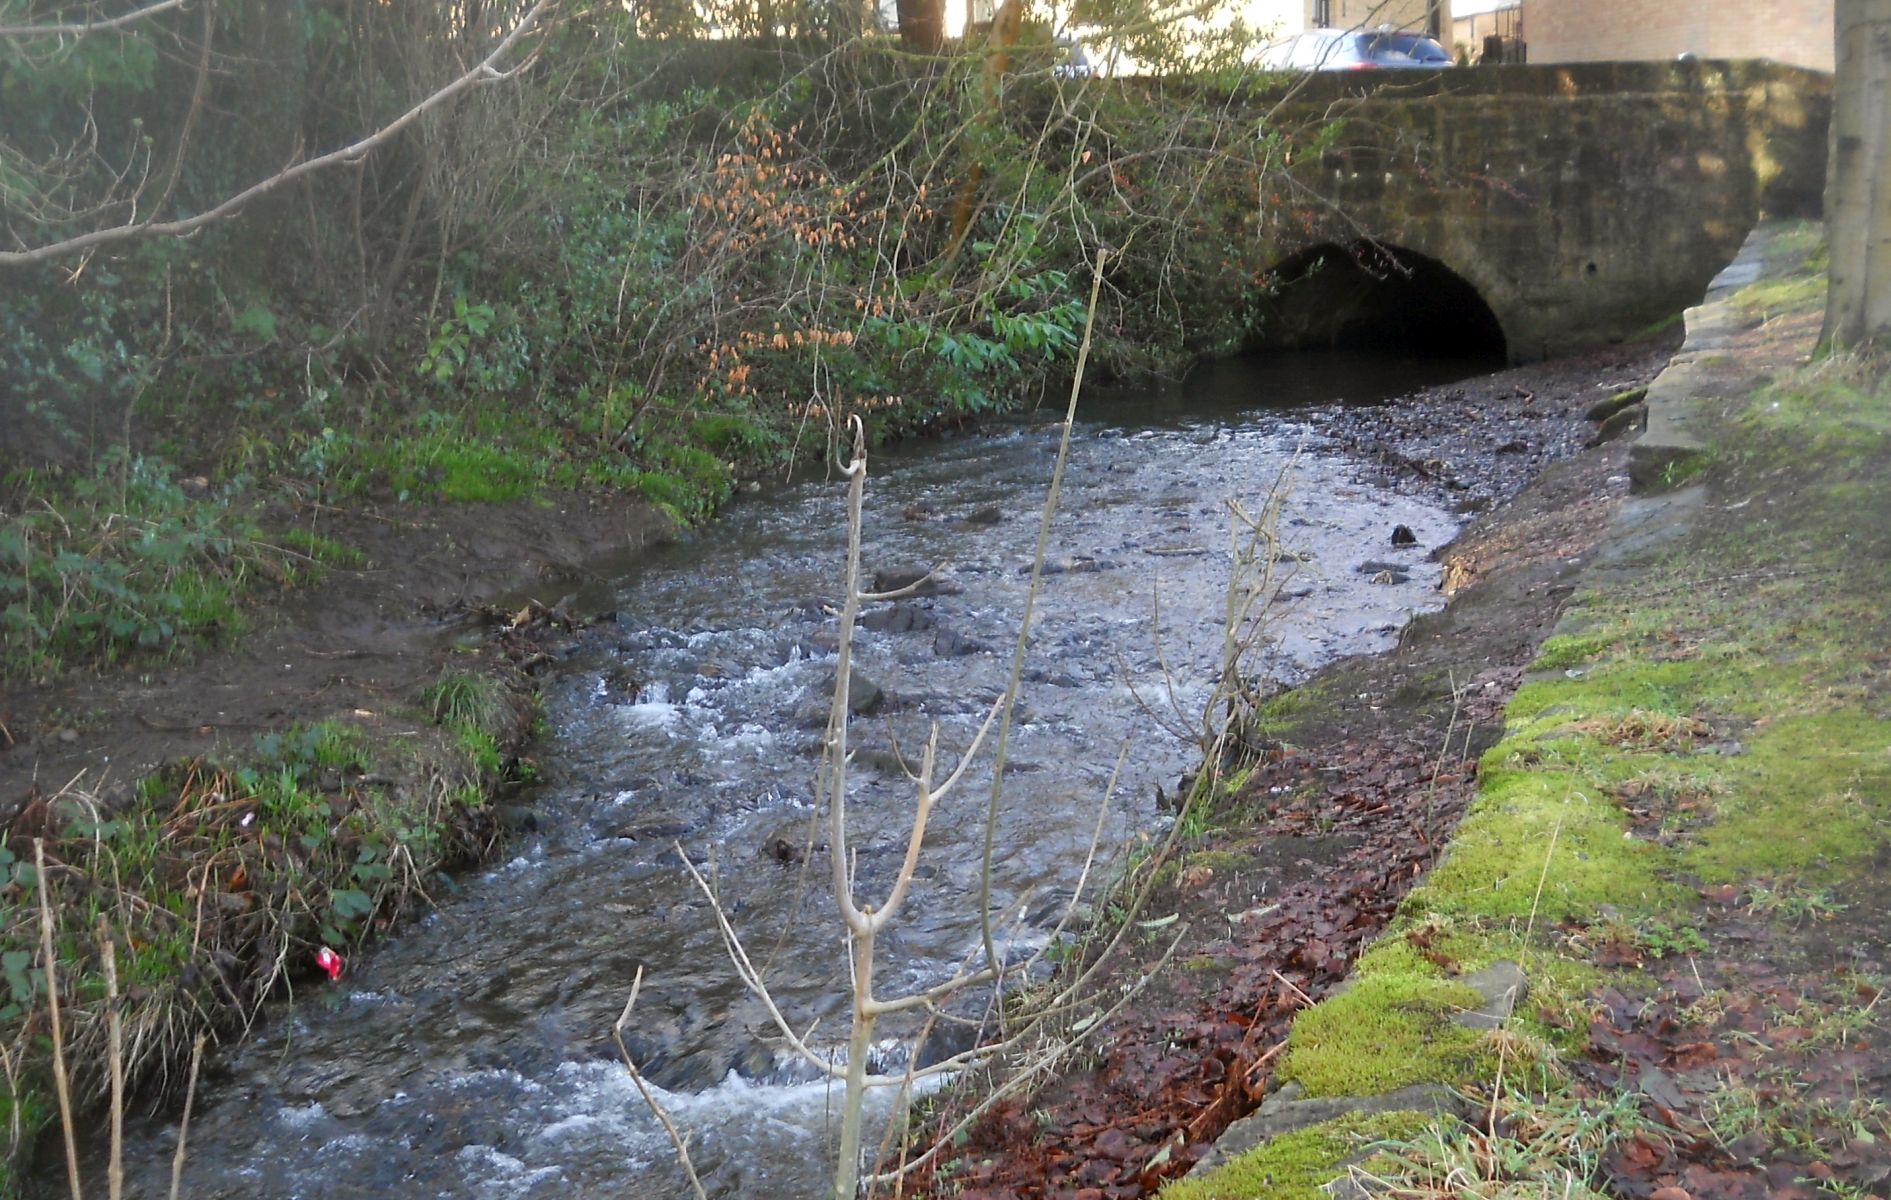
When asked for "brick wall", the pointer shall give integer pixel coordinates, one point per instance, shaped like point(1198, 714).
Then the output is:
point(1790, 31)
point(1400, 14)
point(1288, 17)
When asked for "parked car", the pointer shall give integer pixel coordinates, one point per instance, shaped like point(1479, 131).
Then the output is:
point(1357, 50)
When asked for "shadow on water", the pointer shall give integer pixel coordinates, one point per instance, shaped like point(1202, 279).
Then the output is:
point(469, 1057)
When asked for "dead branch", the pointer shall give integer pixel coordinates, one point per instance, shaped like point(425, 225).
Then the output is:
point(77, 29)
point(488, 70)
point(677, 1140)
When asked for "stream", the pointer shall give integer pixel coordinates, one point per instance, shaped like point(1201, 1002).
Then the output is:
point(470, 1055)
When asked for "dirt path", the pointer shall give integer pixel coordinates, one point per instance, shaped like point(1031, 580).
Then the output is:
point(357, 644)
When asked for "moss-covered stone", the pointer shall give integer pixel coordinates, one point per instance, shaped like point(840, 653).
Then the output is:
point(1295, 1165)
point(1391, 1027)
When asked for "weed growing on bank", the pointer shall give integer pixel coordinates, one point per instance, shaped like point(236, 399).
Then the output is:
point(214, 890)
point(123, 561)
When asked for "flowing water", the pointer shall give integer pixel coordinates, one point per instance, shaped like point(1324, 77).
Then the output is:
point(470, 1056)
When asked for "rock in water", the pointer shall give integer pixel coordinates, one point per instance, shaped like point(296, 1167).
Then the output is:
point(894, 579)
point(947, 644)
point(863, 695)
point(900, 618)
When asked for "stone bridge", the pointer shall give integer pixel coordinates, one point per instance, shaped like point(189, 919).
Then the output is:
point(1555, 206)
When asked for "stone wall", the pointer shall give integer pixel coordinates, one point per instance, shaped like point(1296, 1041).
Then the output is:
point(1582, 202)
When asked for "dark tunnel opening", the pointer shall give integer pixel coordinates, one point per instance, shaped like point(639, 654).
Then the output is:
point(1377, 299)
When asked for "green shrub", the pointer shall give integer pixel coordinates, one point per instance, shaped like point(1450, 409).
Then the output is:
point(123, 562)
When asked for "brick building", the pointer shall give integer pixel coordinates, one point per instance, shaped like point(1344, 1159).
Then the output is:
point(1474, 20)
point(1789, 31)
point(1287, 17)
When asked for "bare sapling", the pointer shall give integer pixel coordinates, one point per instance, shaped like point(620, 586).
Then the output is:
point(1034, 1045)
point(1253, 582)
point(61, 1084)
point(1224, 724)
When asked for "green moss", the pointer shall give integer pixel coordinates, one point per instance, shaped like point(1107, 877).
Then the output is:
point(1391, 1027)
point(484, 474)
point(1547, 844)
point(1722, 679)
point(1295, 1165)
point(1560, 653)
point(1662, 326)
point(1772, 297)
point(1275, 716)
point(1811, 797)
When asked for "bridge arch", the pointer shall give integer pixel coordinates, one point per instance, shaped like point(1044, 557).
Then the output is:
point(1372, 296)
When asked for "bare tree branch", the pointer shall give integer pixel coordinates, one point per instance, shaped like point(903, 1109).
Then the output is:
point(487, 70)
point(82, 28)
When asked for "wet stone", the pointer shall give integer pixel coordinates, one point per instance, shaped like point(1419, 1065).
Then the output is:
point(1502, 986)
point(1286, 1112)
point(947, 644)
point(899, 618)
point(917, 578)
point(863, 695)
point(657, 827)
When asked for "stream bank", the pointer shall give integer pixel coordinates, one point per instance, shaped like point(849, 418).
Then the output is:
point(1369, 765)
point(409, 588)
point(1652, 959)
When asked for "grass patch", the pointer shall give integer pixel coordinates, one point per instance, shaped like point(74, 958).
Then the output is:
point(1565, 651)
point(467, 700)
point(321, 550)
point(1547, 1147)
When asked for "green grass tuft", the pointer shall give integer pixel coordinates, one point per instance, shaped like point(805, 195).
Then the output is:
point(467, 700)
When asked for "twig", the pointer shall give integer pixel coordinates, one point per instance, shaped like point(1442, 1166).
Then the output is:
point(487, 70)
point(115, 1037)
point(61, 1085)
point(1294, 988)
point(70, 29)
point(183, 1124)
point(649, 1098)
point(1548, 854)
point(1024, 622)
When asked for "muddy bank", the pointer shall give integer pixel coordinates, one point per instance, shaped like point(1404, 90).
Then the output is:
point(252, 817)
point(356, 644)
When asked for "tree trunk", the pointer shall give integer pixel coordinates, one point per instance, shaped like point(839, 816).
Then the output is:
point(922, 25)
point(1857, 193)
